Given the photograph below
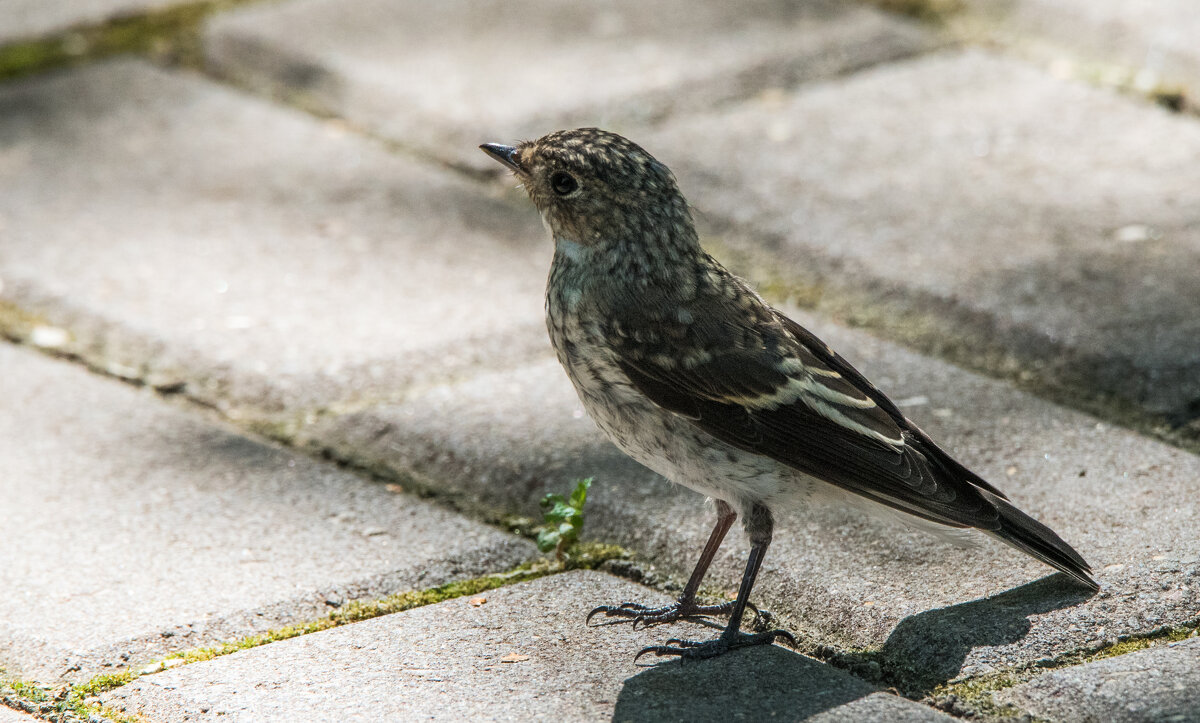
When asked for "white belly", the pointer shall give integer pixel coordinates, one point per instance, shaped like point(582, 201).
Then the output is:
point(675, 448)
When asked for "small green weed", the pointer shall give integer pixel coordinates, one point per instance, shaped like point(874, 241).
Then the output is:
point(564, 519)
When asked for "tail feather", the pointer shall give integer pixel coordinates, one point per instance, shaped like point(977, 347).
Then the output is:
point(1032, 537)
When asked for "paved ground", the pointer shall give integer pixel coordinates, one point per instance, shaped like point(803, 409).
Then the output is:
point(30, 20)
point(301, 365)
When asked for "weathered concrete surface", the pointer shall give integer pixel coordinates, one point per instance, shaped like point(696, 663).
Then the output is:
point(1042, 218)
point(1155, 685)
point(1125, 502)
point(444, 77)
point(1155, 41)
point(524, 654)
point(29, 19)
point(8, 715)
point(247, 255)
point(132, 528)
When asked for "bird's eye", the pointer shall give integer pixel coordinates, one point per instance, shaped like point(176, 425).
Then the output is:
point(563, 183)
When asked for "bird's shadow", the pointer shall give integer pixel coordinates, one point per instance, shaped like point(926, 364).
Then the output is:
point(923, 651)
point(756, 683)
point(929, 648)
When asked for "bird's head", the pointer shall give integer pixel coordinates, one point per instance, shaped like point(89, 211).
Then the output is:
point(597, 189)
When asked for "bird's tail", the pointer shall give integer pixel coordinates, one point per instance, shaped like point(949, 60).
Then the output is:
point(1032, 537)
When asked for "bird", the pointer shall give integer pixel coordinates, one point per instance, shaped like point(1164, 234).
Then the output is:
point(689, 371)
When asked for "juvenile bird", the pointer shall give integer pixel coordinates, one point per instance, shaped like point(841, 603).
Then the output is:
point(691, 373)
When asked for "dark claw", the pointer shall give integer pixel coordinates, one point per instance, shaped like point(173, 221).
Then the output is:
point(606, 609)
point(624, 610)
point(659, 650)
point(791, 639)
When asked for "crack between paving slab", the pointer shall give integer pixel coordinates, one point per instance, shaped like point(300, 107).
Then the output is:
point(973, 29)
point(842, 659)
point(936, 12)
point(972, 697)
point(943, 329)
point(969, 698)
point(80, 701)
point(173, 35)
point(44, 704)
point(170, 34)
point(862, 663)
point(961, 25)
point(701, 95)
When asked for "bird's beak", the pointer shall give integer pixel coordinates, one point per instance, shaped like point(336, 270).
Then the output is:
point(505, 154)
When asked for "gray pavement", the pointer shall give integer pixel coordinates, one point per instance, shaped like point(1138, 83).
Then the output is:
point(504, 439)
point(232, 262)
point(1045, 218)
point(22, 20)
point(1158, 684)
point(524, 654)
point(354, 288)
point(8, 715)
point(1036, 217)
point(133, 528)
point(533, 65)
point(1148, 46)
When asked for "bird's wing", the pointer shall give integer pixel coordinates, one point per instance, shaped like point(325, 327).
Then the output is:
point(773, 388)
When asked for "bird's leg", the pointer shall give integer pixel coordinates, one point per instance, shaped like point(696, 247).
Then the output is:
point(686, 605)
point(759, 525)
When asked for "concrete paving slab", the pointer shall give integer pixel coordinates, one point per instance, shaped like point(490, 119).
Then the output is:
point(843, 578)
point(524, 654)
point(444, 77)
point(1154, 41)
point(132, 528)
point(1038, 217)
point(30, 19)
point(8, 715)
point(1158, 684)
point(174, 231)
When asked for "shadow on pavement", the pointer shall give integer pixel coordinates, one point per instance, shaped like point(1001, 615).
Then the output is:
point(929, 648)
point(759, 683)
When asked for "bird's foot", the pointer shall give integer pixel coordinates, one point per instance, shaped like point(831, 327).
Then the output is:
point(679, 610)
point(699, 650)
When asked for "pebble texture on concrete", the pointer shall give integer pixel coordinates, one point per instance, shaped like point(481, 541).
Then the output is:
point(235, 266)
point(29, 19)
point(1158, 684)
point(505, 439)
point(444, 77)
point(132, 528)
point(517, 653)
point(1045, 217)
point(8, 715)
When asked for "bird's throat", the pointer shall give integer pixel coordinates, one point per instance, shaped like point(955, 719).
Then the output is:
point(569, 250)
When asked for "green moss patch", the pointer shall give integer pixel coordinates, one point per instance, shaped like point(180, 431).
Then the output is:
point(973, 697)
point(933, 10)
point(171, 33)
point(77, 702)
point(68, 704)
point(581, 556)
point(16, 324)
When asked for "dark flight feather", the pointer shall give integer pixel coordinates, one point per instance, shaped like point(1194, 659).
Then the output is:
point(783, 393)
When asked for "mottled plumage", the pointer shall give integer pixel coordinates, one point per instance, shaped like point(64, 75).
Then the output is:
point(691, 373)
